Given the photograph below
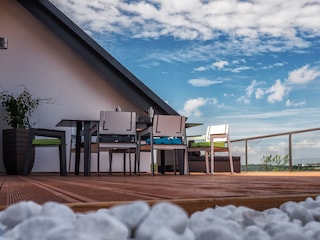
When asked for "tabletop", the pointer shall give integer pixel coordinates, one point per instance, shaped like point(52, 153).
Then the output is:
point(73, 122)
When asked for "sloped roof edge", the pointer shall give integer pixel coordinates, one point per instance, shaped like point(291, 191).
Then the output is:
point(120, 77)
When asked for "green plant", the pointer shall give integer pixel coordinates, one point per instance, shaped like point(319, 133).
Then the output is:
point(18, 108)
point(274, 163)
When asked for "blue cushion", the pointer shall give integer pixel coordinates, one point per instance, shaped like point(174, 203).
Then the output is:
point(165, 140)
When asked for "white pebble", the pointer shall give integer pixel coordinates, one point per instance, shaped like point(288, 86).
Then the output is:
point(130, 214)
point(225, 212)
point(19, 212)
point(37, 227)
point(163, 214)
point(276, 215)
point(69, 234)
point(57, 210)
point(290, 234)
point(217, 232)
point(297, 211)
point(254, 218)
point(165, 233)
point(254, 233)
point(101, 226)
point(273, 228)
point(201, 223)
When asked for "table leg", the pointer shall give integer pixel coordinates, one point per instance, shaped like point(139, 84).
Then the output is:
point(78, 147)
point(181, 161)
point(86, 148)
point(162, 159)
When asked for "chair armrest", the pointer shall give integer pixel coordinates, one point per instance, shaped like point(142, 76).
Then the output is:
point(144, 132)
point(93, 130)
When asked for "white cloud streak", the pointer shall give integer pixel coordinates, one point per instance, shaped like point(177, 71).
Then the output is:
point(201, 82)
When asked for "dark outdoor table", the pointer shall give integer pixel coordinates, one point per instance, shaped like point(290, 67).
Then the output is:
point(85, 125)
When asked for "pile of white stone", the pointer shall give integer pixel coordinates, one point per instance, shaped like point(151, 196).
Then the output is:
point(162, 221)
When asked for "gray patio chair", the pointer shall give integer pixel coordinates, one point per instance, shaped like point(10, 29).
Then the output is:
point(117, 132)
point(166, 133)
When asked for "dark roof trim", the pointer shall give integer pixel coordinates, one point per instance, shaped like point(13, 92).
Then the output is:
point(120, 77)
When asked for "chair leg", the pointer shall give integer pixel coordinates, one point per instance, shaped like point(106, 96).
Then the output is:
point(70, 155)
point(129, 161)
point(137, 160)
point(231, 162)
point(230, 156)
point(98, 159)
point(186, 162)
point(110, 161)
point(174, 162)
point(206, 157)
point(124, 161)
point(152, 159)
point(212, 158)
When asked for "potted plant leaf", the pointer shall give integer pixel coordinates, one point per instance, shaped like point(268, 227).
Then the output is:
point(18, 111)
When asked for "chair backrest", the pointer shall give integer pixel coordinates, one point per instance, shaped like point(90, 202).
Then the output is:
point(221, 132)
point(120, 123)
point(169, 126)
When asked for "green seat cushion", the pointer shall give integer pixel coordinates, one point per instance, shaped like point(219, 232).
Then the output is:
point(207, 144)
point(46, 141)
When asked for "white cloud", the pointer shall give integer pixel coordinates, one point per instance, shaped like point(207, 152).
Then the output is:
point(255, 26)
point(259, 93)
point(303, 75)
point(277, 92)
point(251, 88)
point(191, 106)
point(200, 69)
point(201, 82)
point(220, 64)
point(279, 64)
point(240, 69)
point(289, 103)
point(243, 99)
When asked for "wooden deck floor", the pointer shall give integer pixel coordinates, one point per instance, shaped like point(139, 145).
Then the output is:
point(195, 192)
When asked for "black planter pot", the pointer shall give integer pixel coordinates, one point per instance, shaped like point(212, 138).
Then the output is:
point(14, 150)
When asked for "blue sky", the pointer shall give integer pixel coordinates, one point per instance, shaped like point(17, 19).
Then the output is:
point(252, 64)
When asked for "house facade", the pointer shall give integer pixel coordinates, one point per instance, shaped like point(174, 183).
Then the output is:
point(55, 60)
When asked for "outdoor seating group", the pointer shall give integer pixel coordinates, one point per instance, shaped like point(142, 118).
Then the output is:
point(121, 132)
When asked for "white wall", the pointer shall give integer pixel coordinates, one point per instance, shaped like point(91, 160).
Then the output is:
point(44, 64)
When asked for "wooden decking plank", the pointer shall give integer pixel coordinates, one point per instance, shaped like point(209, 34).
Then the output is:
point(195, 192)
point(193, 205)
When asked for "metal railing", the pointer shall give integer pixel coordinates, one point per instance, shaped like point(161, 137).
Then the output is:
point(289, 134)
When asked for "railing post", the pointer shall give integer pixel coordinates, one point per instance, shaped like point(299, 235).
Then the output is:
point(246, 154)
point(290, 152)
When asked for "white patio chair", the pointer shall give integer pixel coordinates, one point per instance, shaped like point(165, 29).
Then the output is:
point(216, 140)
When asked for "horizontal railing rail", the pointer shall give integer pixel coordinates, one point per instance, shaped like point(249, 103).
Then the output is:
point(270, 136)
